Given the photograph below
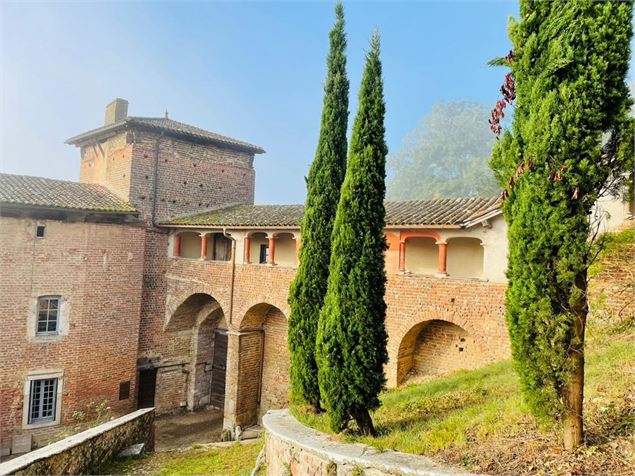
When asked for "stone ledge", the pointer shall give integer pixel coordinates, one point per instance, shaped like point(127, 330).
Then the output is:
point(296, 449)
point(24, 463)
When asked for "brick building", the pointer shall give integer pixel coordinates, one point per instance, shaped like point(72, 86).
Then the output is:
point(172, 285)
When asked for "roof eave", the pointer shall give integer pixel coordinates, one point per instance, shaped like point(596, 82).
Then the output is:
point(105, 132)
point(482, 218)
point(93, 135)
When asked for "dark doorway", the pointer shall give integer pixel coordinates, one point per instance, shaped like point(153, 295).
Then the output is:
point(147, 388)
point(219, 369)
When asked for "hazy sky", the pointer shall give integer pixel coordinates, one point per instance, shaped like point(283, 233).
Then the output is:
point(250, 70)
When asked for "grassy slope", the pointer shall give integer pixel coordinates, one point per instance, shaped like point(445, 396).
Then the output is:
point(235, 460)
point(477, 419)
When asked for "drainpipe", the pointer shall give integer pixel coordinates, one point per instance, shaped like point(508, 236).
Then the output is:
point(233, 275)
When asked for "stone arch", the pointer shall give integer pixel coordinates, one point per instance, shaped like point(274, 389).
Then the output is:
point(436, 346)
point(263, 381)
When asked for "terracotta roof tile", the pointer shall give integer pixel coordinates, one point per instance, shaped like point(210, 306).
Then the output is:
point(443, 212)
point(170, 126)
point(50, 193)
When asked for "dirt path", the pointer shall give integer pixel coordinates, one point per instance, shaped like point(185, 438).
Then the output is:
point(187, 429)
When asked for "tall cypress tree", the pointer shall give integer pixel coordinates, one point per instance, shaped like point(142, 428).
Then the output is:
point(325, 179)
point(569, 64)
point(351, 341)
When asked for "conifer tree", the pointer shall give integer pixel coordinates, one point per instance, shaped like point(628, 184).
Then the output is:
point(351, 341)
point(568, 68)
point(325, 179)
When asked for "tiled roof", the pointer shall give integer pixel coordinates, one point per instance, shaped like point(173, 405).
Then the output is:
point(50, 193)
point(246, 215)
point(171, 127)
point(443, 212)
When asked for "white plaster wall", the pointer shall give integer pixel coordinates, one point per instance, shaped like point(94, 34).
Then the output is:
point(465, 257)
point(285, 251)
point(257, 239)
point(613, 211)
point(422, 256)
point(190, 245)
point(494, 242)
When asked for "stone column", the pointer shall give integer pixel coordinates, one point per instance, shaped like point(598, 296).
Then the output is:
point(298, 240)
point(272, 250)
point(402, 256)
point(231, 382)
point(176, 249)
point(242, 381)
point(443, 258)
point(203, 245)
point(247, 249)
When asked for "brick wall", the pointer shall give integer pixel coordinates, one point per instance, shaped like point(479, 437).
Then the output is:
point(275, 366)
point(258, 309)
point(97, 270)
point(612, 286)
point(442, 347)
point(191, 177)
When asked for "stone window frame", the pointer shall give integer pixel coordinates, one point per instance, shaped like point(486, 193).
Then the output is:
point(63, 317)
point(58, 312)
point(33, 375)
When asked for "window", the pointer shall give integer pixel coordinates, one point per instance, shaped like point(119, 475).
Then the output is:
point(43, 400)
point(39, 231)
point(264, 254)
point(48, 309)
point(124, 390)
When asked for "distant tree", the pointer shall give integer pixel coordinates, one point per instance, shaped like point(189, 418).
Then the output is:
point(351, 342)
point(325, 179)
point(445, 156)
point(571, 141)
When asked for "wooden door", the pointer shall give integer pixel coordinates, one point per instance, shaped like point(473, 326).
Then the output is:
point(219, 369)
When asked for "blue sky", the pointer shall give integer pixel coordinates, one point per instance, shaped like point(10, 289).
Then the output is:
point(250, 70)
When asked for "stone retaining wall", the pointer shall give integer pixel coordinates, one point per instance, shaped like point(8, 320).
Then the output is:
point(89, 449)
point(294, 449)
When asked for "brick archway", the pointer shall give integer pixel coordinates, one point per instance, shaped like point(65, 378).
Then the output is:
point(180, 302)
point(414, 323)
point(263, 370)
point(434, 347)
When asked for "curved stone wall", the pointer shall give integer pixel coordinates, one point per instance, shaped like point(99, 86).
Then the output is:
point(294, 449)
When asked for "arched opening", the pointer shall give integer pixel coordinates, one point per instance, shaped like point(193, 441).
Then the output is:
point(465, 257)
point(263, 382)
point(421, 255)
point(285, 250)
point(209, 362)
point(259, 248)
point(436, 347)
point(201, 317)
point(219, 247)
point(190, 245)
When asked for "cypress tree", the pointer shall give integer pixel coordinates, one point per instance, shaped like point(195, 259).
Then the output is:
point(569, 65)
point(351, 340)
point(325, 179)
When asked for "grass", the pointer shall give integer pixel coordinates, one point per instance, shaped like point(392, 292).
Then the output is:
point(469, 418)
point(477, 419)
point(234, 460)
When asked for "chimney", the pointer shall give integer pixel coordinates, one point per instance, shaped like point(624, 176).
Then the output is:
point(116, 111)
